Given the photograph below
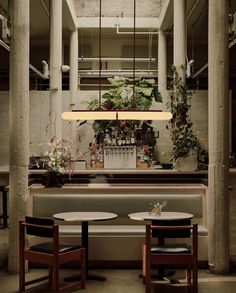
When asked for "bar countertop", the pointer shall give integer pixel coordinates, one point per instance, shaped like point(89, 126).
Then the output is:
point(158, 170)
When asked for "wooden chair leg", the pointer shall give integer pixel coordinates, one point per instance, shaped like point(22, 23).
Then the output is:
point(82, 268)
point(148, 282)
point(21, 258)
point(144, 262)
point(56, 278)
point(22, 275)
point(188, 276)
point(195, 279)
point(147, 278)
point(50, 269)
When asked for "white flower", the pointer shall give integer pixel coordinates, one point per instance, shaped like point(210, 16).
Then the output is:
point(59, 156)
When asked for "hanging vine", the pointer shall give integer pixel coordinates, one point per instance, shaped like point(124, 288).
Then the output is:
point(184, 140)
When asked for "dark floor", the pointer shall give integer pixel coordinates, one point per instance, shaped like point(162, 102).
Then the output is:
point(127, 281)
point(117, 281)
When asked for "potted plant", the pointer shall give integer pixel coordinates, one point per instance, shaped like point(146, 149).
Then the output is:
point(120, 97)
point(185, 142)
point(57, 160)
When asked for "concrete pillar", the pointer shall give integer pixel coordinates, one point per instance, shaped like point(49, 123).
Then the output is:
point(55, 68)
point(73, 82)
point(180, 37)
point(73, 67)
point(18, 125)
point(162, 62)
point(218, 174)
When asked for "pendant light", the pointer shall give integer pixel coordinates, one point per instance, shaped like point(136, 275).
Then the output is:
point(102, 114)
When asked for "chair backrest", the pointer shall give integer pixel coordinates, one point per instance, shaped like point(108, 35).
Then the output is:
point(171, 233)
point(37, 229)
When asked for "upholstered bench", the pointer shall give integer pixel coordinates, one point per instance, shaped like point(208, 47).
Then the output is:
point(114, 235)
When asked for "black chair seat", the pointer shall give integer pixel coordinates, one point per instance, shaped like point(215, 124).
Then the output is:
point(46, 247)
point(171, 248)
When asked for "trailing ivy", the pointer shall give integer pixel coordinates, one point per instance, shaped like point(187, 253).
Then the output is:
point(184, 140)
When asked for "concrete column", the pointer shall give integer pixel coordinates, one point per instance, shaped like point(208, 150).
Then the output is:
point(218, 174)
point(162, 62)
point(180, 37)
point(73, 67)
point(73, 82)
point(55, 68)
point(18, 125)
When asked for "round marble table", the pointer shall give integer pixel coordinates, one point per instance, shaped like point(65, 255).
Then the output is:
point(165, 216)
point(84, 218)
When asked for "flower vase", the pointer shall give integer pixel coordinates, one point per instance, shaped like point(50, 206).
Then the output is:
point(52, 179)
point(187, 164)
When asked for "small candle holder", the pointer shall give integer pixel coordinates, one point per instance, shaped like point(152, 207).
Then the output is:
point(155, 207)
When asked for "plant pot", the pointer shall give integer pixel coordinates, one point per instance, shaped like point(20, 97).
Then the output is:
point(187, 164)
point(52, 180)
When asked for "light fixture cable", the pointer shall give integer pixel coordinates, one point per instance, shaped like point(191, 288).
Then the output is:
point(101, 114)
point(134, 53)
point(100, 53)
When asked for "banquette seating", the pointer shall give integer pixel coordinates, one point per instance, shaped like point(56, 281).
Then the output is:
point(113, 235)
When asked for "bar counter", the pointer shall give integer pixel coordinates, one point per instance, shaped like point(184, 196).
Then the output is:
point(137, 175)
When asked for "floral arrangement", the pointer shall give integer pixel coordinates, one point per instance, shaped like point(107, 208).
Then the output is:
point(58, 158)
point(155, 207)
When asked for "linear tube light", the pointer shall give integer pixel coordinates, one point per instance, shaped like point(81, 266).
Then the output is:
point(144, 115)
point(89, 115)
point(116, 115)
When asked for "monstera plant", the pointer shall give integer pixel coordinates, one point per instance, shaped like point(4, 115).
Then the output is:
point(125, 96)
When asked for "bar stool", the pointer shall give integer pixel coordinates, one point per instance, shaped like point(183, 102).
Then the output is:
point(4, 215)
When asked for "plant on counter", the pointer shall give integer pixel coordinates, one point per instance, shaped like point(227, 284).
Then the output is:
point(120, 97)
point(185, 142)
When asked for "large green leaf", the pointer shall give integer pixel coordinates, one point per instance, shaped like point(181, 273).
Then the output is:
point(147, 91)
point(125, 92)
point(118, 81)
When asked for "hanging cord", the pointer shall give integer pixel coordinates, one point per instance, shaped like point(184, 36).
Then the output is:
point(134, 98)
point(100, 49)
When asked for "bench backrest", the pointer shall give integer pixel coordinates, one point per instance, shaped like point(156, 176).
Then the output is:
point(45, 205)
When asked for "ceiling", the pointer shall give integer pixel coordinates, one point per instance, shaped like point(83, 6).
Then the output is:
point(39, 31)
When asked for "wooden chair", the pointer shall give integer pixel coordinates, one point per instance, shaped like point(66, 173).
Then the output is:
point(181, 255)
point(51, 253)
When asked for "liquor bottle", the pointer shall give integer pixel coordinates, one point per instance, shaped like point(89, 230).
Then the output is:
point(107, 139)
point(100, 155)
point(132, 139)
point(123, 141)
point(119, 140)
point(113, 140)
point(93, 161)
point(128, 139)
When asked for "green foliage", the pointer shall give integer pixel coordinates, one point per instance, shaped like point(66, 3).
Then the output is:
point(122, 97)
point(180, 126)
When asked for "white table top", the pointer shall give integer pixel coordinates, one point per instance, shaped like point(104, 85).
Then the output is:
point(141, 216)
point(84, 216)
